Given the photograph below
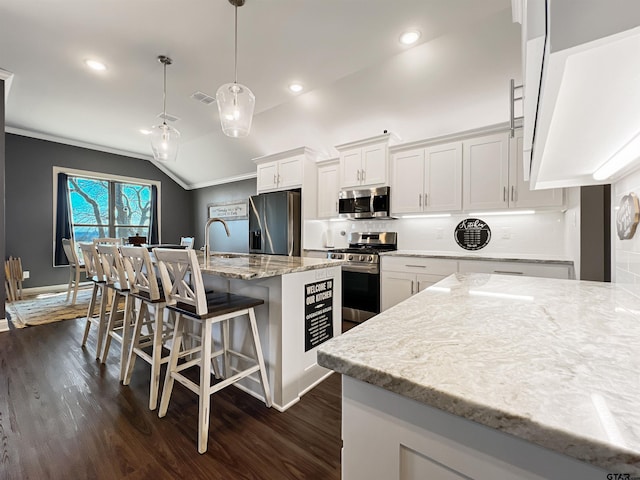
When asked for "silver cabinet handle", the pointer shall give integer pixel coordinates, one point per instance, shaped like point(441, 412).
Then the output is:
point(507, 272)
point(416, 266)
point(412, 292)
point(426, 199)
point(504, 194)
point(513, 193)
point(419, 199)
point(418, 289)
point(358, 175)
point(275, 181)
point(364, 174)
point(336, 206)
point(278, 178)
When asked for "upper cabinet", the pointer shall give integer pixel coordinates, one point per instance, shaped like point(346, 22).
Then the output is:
point(494, 178)
point(581, 95)
point(285, 170)
point(427, 179)
point(365, 162)
point(328, 187)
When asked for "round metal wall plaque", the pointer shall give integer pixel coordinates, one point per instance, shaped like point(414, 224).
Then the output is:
point(472, 234)
point(627, 216)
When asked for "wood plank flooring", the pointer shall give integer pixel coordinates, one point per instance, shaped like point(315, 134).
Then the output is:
point(65, 416)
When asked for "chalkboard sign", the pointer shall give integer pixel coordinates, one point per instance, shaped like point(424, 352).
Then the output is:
point(472, 234)
point(318, 313)
point(627, 217)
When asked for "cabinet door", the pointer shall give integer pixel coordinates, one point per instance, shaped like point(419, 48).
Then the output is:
point(290, 173)
point(328, 191)
point(486, 172)
point(267, 174)
point(374, 165)
point(519, 193)
point(407, 181)
point(396, 287)
point(443, 178)
point(351, 167)
point(425, 280)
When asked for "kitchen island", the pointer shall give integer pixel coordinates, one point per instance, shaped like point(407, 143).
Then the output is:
point(302, 309)
point(493, 376)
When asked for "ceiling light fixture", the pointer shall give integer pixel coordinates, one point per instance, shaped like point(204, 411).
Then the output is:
point(409, 38)
point(164, 138)
point(95, 65)
point(295, 87)
point(623, 157)
point(235, 101)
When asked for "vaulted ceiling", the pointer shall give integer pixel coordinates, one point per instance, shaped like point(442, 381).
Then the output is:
point(358, 79)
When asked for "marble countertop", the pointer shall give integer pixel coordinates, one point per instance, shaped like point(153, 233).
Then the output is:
point(494, 257)
point(247, 266)
point(553, 362)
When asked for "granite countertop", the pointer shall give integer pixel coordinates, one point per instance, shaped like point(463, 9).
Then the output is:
point(247, 266)
point(494, 257)
point(553, 362)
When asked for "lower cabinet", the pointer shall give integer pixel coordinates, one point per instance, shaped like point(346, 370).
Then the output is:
point(402, 277)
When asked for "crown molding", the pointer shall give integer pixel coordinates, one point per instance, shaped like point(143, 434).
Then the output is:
point(8, 79)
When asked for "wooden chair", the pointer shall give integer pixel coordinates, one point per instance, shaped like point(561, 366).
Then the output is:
point(120, 321)
point(13, 278)
point(147, 292)
point(75, 269)
point(187, 241)
point(95, 273)
point(185, 295)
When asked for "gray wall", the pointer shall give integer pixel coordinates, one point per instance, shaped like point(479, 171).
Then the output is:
point(3, 295)
point(29, 200)
point(239, 229)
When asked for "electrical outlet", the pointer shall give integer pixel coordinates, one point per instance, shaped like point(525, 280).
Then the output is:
point(25, 274)
point(506, 233)
point(438, 233)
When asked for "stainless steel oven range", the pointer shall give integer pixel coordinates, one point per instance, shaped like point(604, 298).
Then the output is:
point(361, 276)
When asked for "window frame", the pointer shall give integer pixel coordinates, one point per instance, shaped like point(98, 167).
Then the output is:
point(99, 176)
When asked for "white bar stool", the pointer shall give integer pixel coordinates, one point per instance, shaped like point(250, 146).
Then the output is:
point(184, 292)
point(93, 267)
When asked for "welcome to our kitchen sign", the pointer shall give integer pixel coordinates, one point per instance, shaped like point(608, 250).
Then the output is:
point(318, 313)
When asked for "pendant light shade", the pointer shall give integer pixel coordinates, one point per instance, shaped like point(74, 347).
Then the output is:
point(235, 101)
point(164, 138)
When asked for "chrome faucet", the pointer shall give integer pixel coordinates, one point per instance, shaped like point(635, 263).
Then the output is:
point(207, 241)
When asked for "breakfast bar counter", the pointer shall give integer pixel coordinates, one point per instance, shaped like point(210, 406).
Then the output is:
point(302, 309)
point(494, 376)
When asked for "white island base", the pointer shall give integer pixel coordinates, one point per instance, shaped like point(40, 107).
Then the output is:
point(390, 436)
point(292, 370)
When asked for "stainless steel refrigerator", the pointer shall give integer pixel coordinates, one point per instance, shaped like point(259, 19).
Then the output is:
point(274, 223)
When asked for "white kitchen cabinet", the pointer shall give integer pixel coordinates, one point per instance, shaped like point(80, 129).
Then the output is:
point(365, 162)
point(427, 179)
point(402, 277)
point(529, 269)
point(328, 188)
point(494, 177)
point(281, 174)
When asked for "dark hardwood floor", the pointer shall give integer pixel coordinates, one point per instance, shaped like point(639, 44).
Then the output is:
point(65, 416)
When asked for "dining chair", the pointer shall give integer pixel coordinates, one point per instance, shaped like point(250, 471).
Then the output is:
point(95, 273)
point(151, 315)
point(107, 241)
point(185, 295)
point(75, 269)
point(187, 241)
point(120, 322)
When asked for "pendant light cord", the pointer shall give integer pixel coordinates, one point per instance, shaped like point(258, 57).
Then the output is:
point(235, 79)
point(164, 95)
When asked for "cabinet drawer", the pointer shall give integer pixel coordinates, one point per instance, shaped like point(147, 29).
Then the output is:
point(433, 266)
point(516, 268)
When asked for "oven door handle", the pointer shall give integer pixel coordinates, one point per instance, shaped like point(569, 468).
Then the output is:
point(364, 268)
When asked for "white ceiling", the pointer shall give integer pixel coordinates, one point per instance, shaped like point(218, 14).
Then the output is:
point(358, 79)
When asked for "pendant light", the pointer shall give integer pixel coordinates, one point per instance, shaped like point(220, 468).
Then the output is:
point(235, 101)
point(164, 138)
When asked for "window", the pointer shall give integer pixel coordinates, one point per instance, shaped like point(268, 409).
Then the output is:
point(106, 208)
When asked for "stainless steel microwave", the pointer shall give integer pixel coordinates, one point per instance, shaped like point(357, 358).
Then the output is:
point(367, 203)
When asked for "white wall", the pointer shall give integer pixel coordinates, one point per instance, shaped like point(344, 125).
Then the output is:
point(625, 254)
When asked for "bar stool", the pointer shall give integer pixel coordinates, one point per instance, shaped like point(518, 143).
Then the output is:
point(75, 268)
point(185, 295)
point(120, 321)
point(147, 292)
point(93, 268)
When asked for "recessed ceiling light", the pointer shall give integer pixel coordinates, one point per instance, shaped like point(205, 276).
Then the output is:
point(144, 131)
point(409, 38)
point(95, 65)
point(295, 87)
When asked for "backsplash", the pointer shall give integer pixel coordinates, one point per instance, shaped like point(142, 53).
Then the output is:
point(541, 233)
point(625, 259)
